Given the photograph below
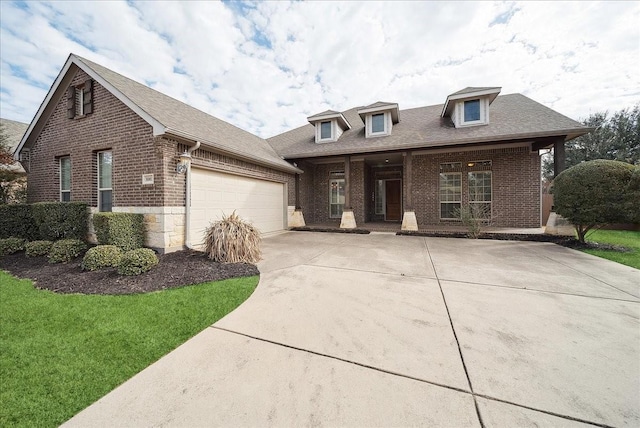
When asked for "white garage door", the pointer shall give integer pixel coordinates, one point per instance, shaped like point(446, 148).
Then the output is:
point(214, 194)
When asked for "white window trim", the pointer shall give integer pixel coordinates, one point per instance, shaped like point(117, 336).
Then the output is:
point(384, 124)
point(332, 134)
point(484, 113)
point(369, 124)
point(440, 201)
point(79, 94)
point(101, 189)
point(62, 191)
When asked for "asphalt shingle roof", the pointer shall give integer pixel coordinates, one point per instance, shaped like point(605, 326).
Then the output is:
point(14, 132)
point(512, 117)
point(183, 118)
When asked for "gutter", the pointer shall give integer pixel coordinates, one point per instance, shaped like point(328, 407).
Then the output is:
point(187, 202)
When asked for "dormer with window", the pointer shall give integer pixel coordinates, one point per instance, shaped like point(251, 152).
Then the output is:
point(379, 118)
point(329, 126)
point(470, 106)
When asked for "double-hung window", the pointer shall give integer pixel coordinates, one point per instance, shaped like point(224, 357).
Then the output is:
point(450, 190)
point(105, 168)
point(65, 178)
point(336, 194)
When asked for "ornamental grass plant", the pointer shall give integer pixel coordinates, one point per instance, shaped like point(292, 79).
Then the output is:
point(233, 240)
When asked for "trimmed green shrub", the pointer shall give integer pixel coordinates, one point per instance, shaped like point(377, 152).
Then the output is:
point(124, 230)
point(65, 250)
point(102, 256)
point(61, 220)
point(232, 240)
point(17, 221)
point(37, 248)
point(595, 193)
point(11, 245)
point(137, 261)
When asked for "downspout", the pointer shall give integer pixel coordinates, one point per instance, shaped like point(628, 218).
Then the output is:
point(187, 202)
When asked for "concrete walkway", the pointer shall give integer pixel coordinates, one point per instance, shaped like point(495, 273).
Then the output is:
point(384, 330)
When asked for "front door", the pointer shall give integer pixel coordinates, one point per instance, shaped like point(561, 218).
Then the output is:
point(393, 196)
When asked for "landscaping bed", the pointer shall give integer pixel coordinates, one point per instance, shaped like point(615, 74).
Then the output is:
point(173, 270)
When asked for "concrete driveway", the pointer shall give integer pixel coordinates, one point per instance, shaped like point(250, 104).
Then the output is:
point(384, 330)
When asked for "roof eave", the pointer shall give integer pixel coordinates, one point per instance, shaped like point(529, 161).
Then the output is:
point(158, 128)
point(284, 166)
point(446, 143)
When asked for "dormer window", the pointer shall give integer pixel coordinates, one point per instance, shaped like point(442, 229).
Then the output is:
point(329, 126)
point(377, 123)
point(471, 111)
point(325, 130)
point(470, 106)
point(379, 118)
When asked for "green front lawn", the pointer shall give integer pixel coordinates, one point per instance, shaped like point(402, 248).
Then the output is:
point(60, 353)
point(623, 238)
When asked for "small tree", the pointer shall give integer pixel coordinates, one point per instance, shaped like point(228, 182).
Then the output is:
point(595, 193)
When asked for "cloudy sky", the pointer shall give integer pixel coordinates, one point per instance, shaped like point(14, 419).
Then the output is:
point(266, 66)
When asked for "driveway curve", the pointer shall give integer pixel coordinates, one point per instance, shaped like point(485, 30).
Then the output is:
point(385, 330)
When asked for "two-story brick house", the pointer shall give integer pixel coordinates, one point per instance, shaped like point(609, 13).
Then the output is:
point(119, 145)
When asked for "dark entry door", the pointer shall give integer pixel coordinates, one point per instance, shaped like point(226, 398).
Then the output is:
point(393, 196)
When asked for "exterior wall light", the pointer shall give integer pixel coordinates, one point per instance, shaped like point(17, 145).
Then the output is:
point(183, 163)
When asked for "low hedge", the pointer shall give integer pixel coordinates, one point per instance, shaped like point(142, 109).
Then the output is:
point(101, 257)
point(124, 230)
point(61, 220)
point(37, 248)
point(65, 250)
point(137, 261)
point(11, 245)
point(17, 221)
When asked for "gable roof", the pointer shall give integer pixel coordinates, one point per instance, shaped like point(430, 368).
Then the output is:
point(13, 131)
point(330, 114)
point(166, 115)
point(513, 117)
point(468, 93)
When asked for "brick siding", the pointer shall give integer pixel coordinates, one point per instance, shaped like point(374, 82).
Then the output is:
point(113, 126)
point(515, 187)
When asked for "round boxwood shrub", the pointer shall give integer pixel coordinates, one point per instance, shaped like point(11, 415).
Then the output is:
point(11, 245)
point(102, 256)
point(594, 193)
point(37, 248)
point(137, 261)
point(65, 250)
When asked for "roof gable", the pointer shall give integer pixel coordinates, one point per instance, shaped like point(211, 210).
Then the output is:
point(166, 115)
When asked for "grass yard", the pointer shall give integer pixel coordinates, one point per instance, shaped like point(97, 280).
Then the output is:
point(59, 353)
point(624, 238)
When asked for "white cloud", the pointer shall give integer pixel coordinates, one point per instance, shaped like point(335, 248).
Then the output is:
point(266, 66)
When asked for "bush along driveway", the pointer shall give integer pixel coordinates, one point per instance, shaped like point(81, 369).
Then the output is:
point(384, 330)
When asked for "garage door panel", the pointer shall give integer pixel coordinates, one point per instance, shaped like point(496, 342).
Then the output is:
point(215, 194)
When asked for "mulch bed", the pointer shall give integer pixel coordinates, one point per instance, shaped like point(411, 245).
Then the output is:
point(330, 230)
point(173, 270)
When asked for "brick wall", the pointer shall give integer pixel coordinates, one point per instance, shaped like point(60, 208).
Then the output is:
point(111, 126)
point(515, 185)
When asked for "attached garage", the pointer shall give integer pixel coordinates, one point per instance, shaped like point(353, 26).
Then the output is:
point(214, 194)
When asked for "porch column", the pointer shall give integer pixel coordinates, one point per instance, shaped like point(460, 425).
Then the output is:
point(559, 157)
point(348, 220)
point(296, 218)
point(409, 221)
